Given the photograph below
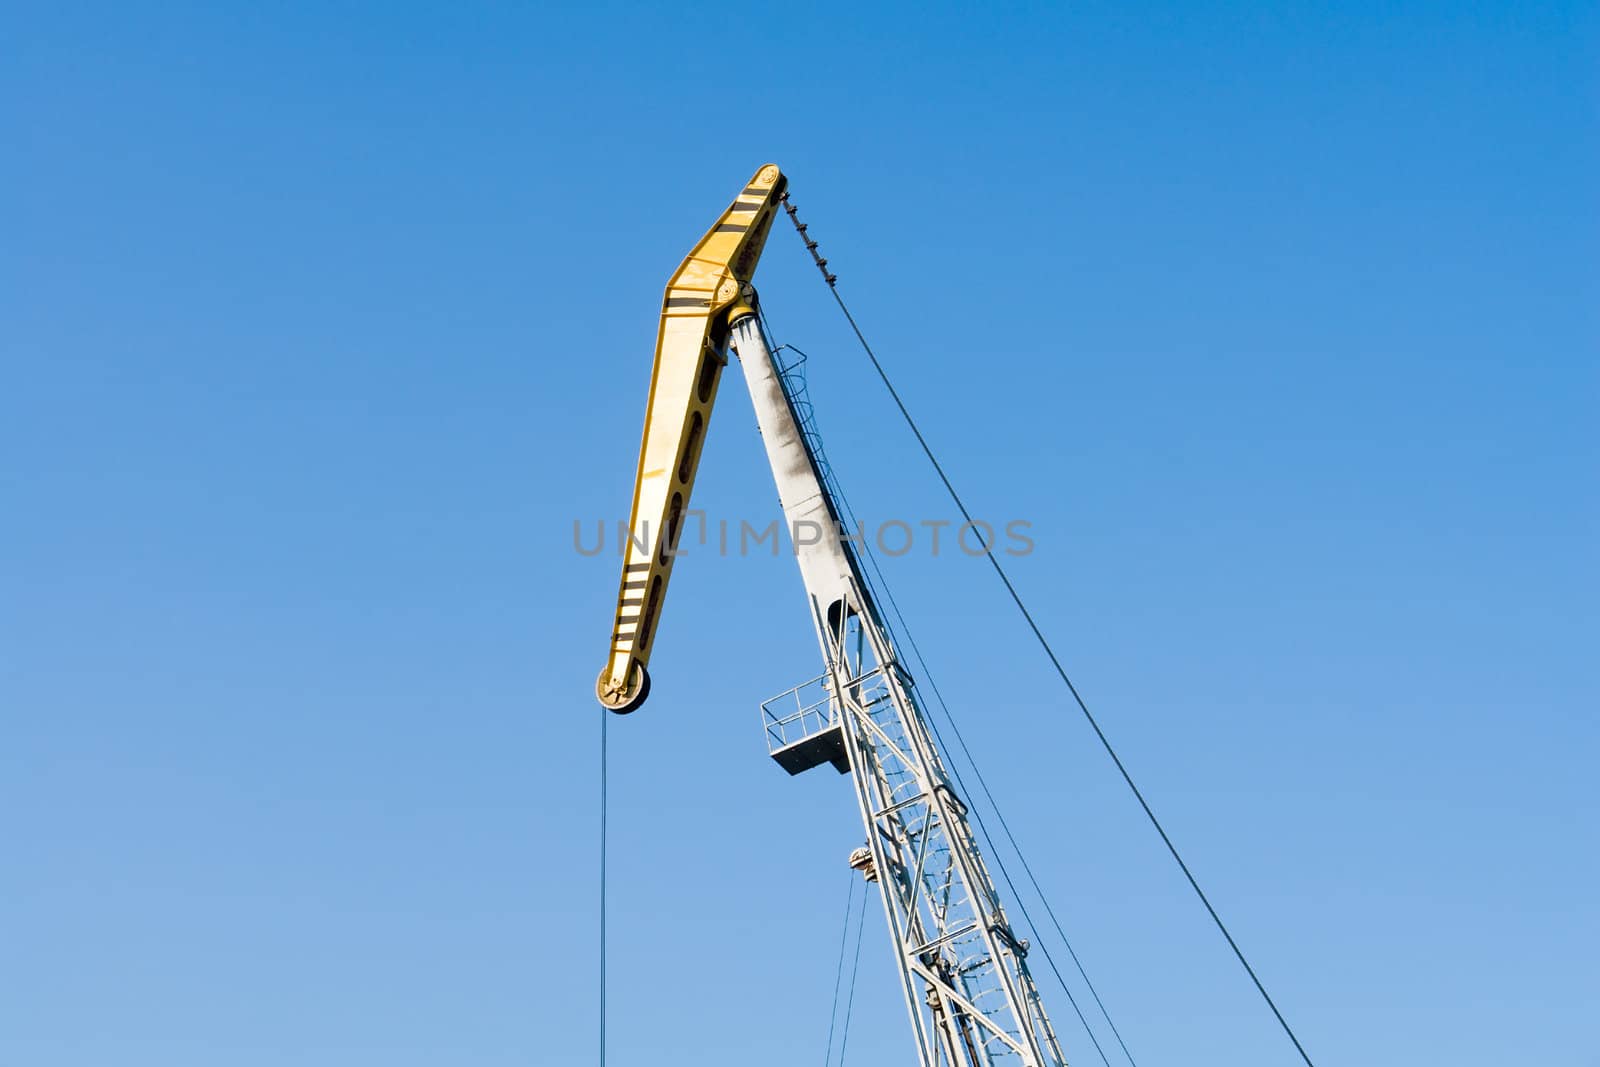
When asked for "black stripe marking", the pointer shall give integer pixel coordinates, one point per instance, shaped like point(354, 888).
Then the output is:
point(733, 227)
point(688, 301)
point(631, 603)
point(634, 585)
point(637, 567)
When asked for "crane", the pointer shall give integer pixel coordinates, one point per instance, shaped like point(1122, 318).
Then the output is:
point(963, 969)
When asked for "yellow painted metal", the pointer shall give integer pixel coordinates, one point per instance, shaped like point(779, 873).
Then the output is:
point(702, 299)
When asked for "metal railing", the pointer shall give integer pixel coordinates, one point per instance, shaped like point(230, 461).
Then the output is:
point(798, 713)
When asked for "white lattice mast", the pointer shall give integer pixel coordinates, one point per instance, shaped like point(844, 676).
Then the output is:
point(971, 999)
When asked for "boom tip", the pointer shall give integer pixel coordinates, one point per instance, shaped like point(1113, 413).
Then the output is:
point(621, 699)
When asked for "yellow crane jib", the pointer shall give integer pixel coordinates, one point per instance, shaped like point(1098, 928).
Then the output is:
point(704, 298)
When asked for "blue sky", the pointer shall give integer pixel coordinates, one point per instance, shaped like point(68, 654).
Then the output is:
point(321, 324)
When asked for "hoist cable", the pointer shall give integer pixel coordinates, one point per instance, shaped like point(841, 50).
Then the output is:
point(1028, 870)
point(838, 974)
point(881, 593)
point(927, 450)
point(850, 998)
point(605, 722)
point(999, 859)
point(999, 815)
point(977, 817)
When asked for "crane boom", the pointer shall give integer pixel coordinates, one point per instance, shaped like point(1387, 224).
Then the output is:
point(696, 310)
point(971, 999)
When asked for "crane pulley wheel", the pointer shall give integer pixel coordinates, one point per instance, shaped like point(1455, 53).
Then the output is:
point(626, 698)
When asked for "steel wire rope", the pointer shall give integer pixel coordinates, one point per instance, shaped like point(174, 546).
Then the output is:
point(850, 999)
point(838, 974)
point(605, 722)
point(882, 585)
point(1044, 643)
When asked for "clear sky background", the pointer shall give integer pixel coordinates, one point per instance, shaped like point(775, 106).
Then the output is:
point(320, 325)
